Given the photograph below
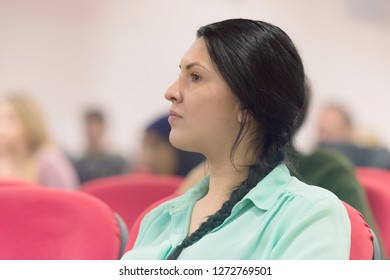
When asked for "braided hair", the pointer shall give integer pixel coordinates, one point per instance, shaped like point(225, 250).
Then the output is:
point(263, 69)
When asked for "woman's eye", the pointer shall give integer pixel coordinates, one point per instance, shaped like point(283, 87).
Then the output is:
point(195, 77)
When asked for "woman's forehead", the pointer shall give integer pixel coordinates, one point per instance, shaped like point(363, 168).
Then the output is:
point(196, 53)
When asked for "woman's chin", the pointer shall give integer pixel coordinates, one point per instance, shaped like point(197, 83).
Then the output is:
point(181, 143)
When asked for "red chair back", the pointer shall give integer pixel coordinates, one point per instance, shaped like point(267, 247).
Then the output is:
point(16, 183)
point(55, 224)
point(362, 239)
point(129, 195)
point(376, 183)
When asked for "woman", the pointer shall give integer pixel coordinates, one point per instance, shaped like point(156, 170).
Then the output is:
point(239, 100)
point(26, 152)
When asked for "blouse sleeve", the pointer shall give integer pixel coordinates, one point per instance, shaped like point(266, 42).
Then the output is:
point(321, 231)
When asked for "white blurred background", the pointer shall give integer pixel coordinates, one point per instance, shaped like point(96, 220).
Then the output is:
point(121, 55)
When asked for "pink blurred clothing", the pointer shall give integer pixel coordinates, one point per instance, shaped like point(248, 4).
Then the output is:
point(55, 169)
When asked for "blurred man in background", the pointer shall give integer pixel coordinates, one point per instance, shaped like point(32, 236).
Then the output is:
point(98, 160)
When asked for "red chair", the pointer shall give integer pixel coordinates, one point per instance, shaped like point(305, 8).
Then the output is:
point(376, 183)
point(54, 224)
point(16, 183)
point(129, 195)
point(364, 244)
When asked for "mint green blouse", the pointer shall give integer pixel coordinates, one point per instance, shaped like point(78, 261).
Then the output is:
point(281, 218)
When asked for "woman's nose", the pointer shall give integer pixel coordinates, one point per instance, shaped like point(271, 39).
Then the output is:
point(172, 93)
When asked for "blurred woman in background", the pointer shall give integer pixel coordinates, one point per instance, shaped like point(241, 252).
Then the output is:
point(26, 150)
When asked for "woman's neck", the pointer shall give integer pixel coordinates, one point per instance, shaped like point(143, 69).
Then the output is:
point(224, 178)
point(227, 172)
point(17, 164)
point(15, 155)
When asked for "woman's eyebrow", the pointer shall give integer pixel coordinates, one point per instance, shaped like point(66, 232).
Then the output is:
point(189, 66)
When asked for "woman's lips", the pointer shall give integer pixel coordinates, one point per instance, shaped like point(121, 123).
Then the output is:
point(173, 116)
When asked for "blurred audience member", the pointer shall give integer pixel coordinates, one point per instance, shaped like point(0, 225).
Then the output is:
point(334, 125)
point(26, 150)
point(97, 160)
point(159, 156)
point(335, 130)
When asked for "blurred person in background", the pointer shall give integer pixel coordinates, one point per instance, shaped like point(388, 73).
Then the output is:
point(335, 130)
point(26, 151)
point(97, 160)
point(158, 156)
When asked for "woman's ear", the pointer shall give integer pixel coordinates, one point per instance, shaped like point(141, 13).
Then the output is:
point(244, 115)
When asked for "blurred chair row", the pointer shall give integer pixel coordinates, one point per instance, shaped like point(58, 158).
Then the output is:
point(130, 195)
point(43, 223)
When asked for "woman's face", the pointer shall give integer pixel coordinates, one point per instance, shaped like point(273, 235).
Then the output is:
point(205, 114)
point(12, 130)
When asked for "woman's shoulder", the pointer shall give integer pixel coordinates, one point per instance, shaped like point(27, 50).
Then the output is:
point(49, 152)
point(281, 189)
point(165, 206)
point(311, 194)
point(55, 168)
